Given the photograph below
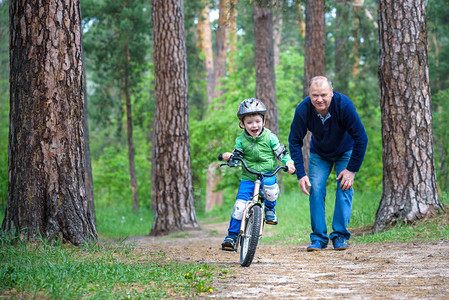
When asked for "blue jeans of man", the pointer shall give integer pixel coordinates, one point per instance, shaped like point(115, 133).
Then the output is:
point(319, 171)
point(246, 190)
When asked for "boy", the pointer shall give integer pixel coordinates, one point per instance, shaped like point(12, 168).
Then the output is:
point(260, 148)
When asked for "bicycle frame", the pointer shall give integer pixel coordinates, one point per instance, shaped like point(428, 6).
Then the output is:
point(258, 183)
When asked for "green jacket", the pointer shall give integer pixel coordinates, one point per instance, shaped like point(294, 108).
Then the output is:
point(259, 152)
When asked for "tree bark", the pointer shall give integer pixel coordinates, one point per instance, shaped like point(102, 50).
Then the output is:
point(315, 56)
point(409, 181)
point(213, 197)
point(173, 185)
point(356, 43)
point(232, 36)
point(342, 66)
point(205, 44)
point(277, 29)
point(221, 47)
point(129, 132)
point(302, 24)
point(47, 191)
point(89, 182)
point(264, 56)
point(225, 8)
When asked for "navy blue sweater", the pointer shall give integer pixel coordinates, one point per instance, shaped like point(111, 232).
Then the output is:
point(341, 132)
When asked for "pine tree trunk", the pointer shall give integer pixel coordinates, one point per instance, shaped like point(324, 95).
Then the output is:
point(205, 44)
point(221, 47)
point(213, 197)
point(315, 56)
point(302, 24)
point(356, 43)
point(409, 180)
point(264, 55)
point(342, 69)
point(88, 178)
point(232, 36)
point(173, 185)
point(47, 166)
point(277, 29)
point(129, 132)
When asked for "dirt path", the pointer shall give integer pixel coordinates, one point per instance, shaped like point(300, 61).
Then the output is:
point(388, 270)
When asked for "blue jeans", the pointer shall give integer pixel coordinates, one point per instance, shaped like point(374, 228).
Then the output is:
point(246, 190)
point(319, 170)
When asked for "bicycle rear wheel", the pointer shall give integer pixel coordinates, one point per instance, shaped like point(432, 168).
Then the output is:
point(250, 236)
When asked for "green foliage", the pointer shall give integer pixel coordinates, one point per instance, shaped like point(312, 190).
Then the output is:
point(359, 45)
point(97, 271)
point(438, 41)
point(121, 221)
point(117, 40)
point(111, 175)
point(441, 137)
point(369, 178)
point(111, 27)
point(196, 72)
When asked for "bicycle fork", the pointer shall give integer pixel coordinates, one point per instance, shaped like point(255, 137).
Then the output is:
point(254, 201)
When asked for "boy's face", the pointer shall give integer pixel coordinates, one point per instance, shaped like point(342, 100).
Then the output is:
point(253, 124)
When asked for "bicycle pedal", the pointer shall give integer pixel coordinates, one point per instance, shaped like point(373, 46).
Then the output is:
point(228, 248)
point(271, 222)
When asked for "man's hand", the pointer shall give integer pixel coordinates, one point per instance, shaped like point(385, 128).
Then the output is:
point(291, 167)
point(304, 184)
point(347, 179)
point(227, 156)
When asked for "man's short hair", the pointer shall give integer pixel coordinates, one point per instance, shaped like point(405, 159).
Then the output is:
point(319, 79)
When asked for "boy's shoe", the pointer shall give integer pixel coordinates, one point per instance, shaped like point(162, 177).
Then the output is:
point(340, 243)
point(316, 246)
point(229, 242)
point(270, 216)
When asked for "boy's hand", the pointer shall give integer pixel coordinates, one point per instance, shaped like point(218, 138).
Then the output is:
point(291, 167)
point(227, 156)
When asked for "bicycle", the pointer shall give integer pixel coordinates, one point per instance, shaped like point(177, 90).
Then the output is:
point(253, 220)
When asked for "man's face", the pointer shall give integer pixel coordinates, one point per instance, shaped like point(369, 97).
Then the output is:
point(321, 96)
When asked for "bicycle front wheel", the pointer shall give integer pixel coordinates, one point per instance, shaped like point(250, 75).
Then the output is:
point(250, 236)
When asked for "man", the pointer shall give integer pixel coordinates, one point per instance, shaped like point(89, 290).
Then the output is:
point(338, 138)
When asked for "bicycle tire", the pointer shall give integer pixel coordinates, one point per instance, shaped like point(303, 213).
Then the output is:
point(251, 235)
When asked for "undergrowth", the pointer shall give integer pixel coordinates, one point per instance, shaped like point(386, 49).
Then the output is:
point(96, 271)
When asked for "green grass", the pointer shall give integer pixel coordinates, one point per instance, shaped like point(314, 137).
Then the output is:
point(109, 269)
point(115, 222)
point(97, 271)
point(294, 220)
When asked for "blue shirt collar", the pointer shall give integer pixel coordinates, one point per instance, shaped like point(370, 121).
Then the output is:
point(323, 119)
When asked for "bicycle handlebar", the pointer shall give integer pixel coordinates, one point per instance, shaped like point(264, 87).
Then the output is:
point(235, 157)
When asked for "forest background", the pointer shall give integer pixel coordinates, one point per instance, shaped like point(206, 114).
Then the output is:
point(108, 24)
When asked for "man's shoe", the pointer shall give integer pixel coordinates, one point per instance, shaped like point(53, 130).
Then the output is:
point(340, 243)
point(270, 216)
point(316, 246)
point(229, 243)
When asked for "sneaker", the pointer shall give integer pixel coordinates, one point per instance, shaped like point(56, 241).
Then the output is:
point(340, 243)
point(316, 246)
point(270, 216)
point(229, 242)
